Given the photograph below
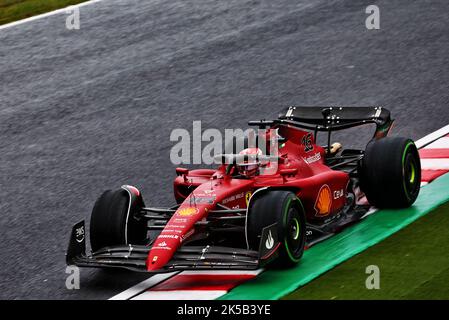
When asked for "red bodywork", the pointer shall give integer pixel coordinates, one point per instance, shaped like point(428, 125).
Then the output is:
point(301, 169)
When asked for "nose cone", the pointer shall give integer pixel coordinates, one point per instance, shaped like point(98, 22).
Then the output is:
point(162, 251)
point(182, 224)
point(166, 244)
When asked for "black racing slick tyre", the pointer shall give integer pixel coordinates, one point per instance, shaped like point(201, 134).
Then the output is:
point(285, 209)
point(114, 221)
point(390, 172)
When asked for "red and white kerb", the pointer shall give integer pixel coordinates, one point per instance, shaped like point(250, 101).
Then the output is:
point(434, 160)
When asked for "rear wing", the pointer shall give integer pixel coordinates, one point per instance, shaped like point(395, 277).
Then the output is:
point(338, 118)
point(337, 115)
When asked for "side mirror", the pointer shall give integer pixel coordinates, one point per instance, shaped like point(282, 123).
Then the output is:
point(288, 172)
point(182, 172)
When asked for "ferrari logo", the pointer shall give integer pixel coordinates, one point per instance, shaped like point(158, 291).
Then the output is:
point(248, 197)
point(189, 211)
point(323, 202)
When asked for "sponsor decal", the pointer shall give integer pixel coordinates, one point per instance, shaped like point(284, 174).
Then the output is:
point(171, 231)
point(168, 236)
point(187, 235)
point(332, 218)
point(188, 211)
point(155, 258)
point(248, 197)
point(269, 243)
point(180, 220)
point(161, 248)
point(79, 234)
point(174, 226)
point(199, 199)
point(323, 202)
point(339, 194)
point(234, 197)
point(316, 157)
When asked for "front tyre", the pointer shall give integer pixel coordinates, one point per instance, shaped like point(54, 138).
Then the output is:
point(390, 172)
point(114, 219)
point(285, 209)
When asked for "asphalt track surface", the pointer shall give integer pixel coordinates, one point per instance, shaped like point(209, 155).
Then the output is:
point(83, 111)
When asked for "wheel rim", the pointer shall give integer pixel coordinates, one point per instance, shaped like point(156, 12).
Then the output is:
point(412, 173)
point(293, 238)
point(411, 182)
point(294, 229)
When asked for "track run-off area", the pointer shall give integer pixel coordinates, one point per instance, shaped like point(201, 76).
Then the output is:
point(82, 111)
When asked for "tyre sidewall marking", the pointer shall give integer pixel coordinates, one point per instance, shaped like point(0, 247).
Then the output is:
point(404, 156)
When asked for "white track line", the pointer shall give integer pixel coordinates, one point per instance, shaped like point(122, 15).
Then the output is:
point(434, 164)
point(47, 14)
point(221, 272)
point(181, 295)
point(442, 143)
point(432, 137)
point(142, 286)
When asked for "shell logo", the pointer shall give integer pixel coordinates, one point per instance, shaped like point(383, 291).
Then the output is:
point(189, 211)
point(323, 202)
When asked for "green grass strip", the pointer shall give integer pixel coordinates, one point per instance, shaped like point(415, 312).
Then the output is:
point(275, 284)
point(13, 10)
point(413, 264)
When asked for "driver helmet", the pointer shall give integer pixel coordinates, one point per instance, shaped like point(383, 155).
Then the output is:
point(249, 167)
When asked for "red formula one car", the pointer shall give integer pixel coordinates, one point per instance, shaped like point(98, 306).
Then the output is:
point(235, 217)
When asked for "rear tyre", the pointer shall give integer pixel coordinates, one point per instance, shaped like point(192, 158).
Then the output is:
point(112, 224)
point(285, 209)
point(390, 172)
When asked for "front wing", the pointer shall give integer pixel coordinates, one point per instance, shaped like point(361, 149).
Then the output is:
point(133, 257)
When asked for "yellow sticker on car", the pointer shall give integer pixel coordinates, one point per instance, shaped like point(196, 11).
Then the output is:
point(189, 211)
point(248, 197)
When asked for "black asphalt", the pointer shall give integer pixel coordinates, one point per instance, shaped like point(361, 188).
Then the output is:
point(86, 110)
